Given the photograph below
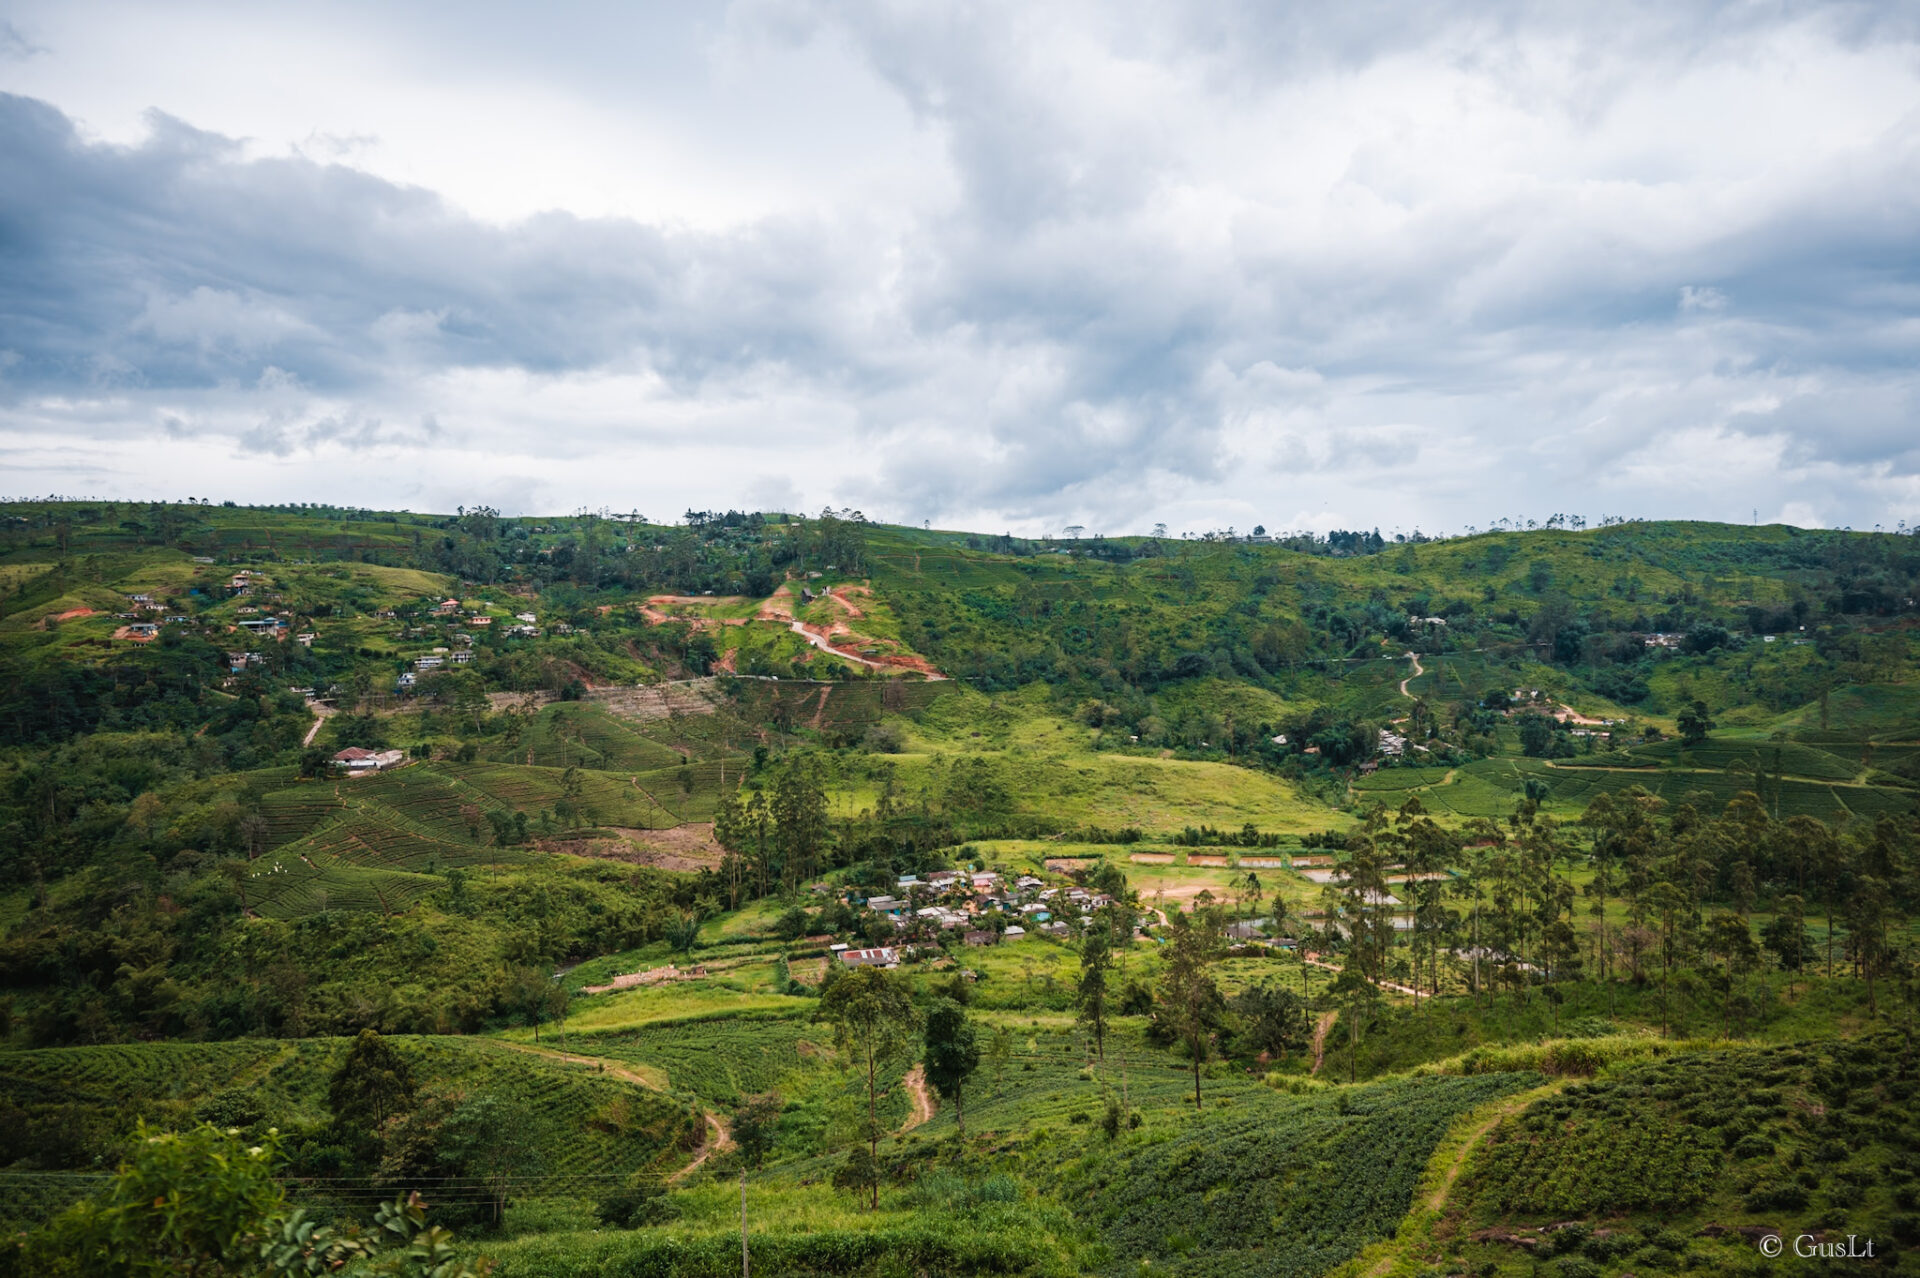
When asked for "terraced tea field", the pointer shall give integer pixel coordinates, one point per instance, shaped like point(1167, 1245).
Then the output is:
point(1491, 787)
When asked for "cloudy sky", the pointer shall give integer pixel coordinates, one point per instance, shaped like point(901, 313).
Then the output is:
point(993, 266)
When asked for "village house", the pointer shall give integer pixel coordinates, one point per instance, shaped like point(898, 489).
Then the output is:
point(357, 759)
point(983, 937)
point(883, 956)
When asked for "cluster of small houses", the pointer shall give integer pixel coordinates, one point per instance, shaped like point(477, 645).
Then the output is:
point(525, 626)
point(950, 900)
point(252, 620)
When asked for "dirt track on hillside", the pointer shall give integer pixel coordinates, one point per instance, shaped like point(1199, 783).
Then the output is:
point(718, 1138)
point(1320, 1029)
point(837, 639)
point(923, 1105)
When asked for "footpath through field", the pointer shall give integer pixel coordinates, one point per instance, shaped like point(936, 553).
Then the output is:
point(1418, 670)
point(1449, 1159)
point(916, 1084)
point(1385, 985)
point(321, 713)
point(1320, 1030)
point(718, 1138)
point(656, 1083)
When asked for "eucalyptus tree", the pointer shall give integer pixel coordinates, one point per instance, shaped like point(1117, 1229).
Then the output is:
point(873, 1017)
point(1189, 1005)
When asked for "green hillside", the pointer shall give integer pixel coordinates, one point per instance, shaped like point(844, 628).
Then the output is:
point(1383, 907)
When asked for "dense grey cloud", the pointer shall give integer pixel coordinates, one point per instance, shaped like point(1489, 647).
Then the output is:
point(1002, 266)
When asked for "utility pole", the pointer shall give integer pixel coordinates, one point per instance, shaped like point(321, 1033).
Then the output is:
point(744, 1263)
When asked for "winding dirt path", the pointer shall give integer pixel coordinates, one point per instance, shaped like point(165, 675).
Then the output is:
point(718, 1138)
point(1385, 985)
point(1418, 670)
point(321, 713)
point(923, 1105)
point(1320, 1030)
point(600, 1063)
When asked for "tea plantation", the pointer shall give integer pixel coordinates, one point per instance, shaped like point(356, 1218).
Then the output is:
point(1525, 904)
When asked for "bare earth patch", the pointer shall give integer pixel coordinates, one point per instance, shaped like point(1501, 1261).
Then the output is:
point(686, 848)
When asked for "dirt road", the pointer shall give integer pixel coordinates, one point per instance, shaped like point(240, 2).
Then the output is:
point(1418, 670)
point(718, 1138)
point(1320, 1030)
point(923, 1104)
point(1385, 985)
point(321, 713)
point(599, 1063)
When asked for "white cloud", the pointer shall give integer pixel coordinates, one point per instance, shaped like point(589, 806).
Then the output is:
point(998, 265)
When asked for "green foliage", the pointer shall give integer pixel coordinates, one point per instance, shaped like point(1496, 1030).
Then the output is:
point(756, 1125)
point(190, 1202)
point(1630, 1162)
point(951, 1054)
point(205, 1202)
point(1274, 1019)
point(645, 1202)
point(1716, 1134)
point(373, 1084)
point(1284, 1185)
point(959, 1249)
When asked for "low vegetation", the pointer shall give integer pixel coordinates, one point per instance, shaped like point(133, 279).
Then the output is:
point(1523, 904)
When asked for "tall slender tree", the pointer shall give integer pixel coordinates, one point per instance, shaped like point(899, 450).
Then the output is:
point(1190, 1004)
point(873, 1019)
point(1096, 964)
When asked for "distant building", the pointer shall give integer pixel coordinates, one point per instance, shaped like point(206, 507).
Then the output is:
point(883, 956)
point(356, 759)
point(983, 937)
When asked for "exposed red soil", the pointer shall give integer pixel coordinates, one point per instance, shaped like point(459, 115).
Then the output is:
point(651, 610)
point(836, 638)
